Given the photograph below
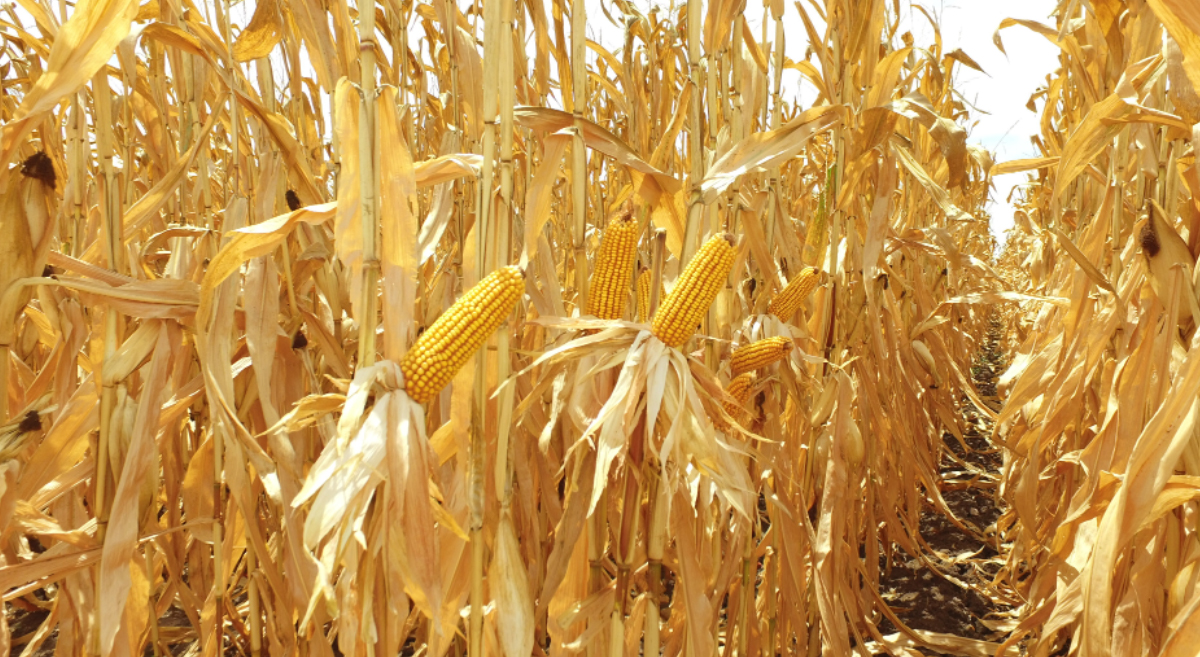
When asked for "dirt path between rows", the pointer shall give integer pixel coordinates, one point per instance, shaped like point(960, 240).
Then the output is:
point(935, 599)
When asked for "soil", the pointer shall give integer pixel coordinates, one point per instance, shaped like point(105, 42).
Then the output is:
point(22, 623)
point(944, 595)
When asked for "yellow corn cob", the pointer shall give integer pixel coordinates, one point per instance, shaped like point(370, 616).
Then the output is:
point(609, 287)
point(460, 331)
point(643, 294)
point(694, 292)
point(787, 302)
point(758, 355)
point(739, 388)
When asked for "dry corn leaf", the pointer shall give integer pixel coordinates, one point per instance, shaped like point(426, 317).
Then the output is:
point(1093, 135)
point(1017, 166)
point(121, 537)
point(253, 241)
point(510, 593)
point(398, 223)
point(82, 46)
point(1182, 21)
point(767, 149)
point(262, 33)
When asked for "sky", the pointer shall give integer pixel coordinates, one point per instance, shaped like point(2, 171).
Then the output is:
point(967, 24)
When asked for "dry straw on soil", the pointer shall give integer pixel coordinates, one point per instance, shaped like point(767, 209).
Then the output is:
point(218, 243)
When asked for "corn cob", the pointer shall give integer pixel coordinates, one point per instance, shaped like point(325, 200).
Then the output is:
point(1164, 249)
point(643, 294)
point(787, 302)
point(27, 210)
point(694, 292)
point(1180, 87)
point(459, 332)
point(609, 288)
point(852, 445)
point(758, 355)
point(739, 388)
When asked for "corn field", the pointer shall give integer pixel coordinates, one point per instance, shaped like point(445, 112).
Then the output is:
point(434, 327)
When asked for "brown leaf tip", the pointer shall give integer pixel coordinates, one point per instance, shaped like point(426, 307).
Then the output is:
point(31, 422)
point(625, 215)
point(1149, 240)
point(39, 167)
point(293, 200)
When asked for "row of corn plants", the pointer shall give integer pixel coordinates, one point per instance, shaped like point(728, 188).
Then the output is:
point(333, 328)
point(1100, 422)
